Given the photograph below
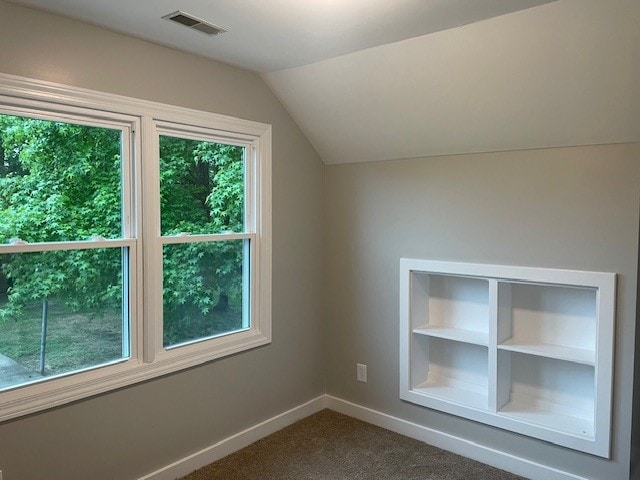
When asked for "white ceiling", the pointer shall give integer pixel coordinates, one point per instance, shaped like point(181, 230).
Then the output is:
point(270, 35)
point(371, 80)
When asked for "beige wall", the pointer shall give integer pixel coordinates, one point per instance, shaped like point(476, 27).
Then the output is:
point(574, 208)
point(125, 434)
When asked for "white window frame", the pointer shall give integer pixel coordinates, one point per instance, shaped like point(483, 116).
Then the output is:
point(141, 121)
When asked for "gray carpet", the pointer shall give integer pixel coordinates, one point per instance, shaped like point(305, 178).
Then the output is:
point(332, 446)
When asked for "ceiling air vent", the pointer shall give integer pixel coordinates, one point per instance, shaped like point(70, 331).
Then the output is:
point(194, 22)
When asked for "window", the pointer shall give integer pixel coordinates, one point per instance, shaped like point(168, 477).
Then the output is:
point(205, 247)
point(134, 241)
point(66, 247)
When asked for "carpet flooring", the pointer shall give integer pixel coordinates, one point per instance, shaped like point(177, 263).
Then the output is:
point(332, 446)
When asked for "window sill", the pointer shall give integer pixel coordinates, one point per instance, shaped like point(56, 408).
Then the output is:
point(35, 397)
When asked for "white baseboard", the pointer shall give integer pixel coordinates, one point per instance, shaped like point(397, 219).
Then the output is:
point(451, 443)
point(489, 456)
point(236, 442)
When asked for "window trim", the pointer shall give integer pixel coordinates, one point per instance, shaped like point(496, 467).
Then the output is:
point(145, 118)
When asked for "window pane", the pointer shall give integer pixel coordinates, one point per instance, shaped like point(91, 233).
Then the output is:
point(58, 181)
point(205, 290)
point(77, 297)
point(201, 187)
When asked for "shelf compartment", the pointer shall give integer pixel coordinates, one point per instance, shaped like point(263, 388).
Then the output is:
point(548, 320)
point(445, 303)
point(451, 371)
point(554, 394)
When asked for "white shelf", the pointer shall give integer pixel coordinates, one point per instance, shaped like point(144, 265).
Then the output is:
point(570, 354)
point(456, 334)
point(524, 349)
point(458, 393)
point(535, 413)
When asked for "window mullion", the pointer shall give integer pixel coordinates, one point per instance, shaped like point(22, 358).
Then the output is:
point(152, 247)
point(134, 230)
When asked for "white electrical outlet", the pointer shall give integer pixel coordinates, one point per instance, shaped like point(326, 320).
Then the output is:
point(361, 374)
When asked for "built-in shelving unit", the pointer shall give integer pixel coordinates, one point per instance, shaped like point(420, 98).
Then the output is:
point(525, 349)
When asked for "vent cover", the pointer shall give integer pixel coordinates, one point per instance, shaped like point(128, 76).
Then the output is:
point(194, 22)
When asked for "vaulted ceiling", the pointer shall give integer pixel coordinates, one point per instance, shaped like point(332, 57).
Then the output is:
point(269, 35)
point(381, 79)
